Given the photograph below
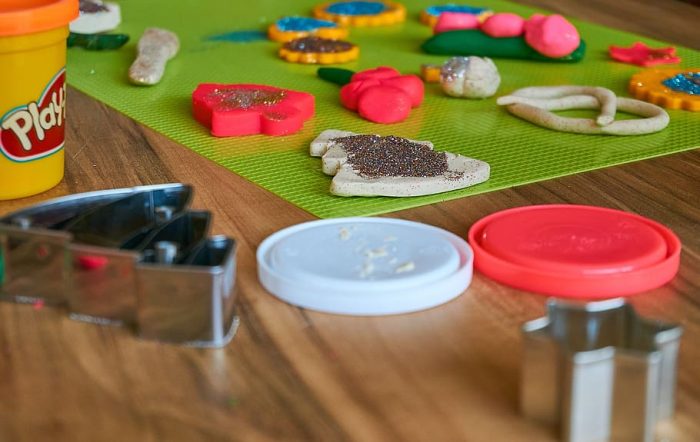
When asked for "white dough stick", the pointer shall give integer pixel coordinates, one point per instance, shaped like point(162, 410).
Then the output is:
point(655, 119)
point(552, 121)
point(156, 46)
point(553, 104)
point(606, 97)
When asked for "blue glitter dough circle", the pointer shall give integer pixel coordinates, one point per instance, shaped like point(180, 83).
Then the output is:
point(437, 10)
point(686, 82)
point(356, 8)
point(303, 24)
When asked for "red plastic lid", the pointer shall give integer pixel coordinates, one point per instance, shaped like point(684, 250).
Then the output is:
point(19, 17)
point(575, 251)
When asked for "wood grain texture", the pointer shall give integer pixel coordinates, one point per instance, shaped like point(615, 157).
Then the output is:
point(449, 373)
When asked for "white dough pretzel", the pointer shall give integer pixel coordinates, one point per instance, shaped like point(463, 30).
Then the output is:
point(541, 94)
point(535, 103)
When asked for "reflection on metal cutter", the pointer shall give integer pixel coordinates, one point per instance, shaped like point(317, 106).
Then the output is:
point(599, 371)
point(135, 256)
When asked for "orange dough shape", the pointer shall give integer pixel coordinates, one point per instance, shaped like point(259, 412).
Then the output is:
point(248, 109)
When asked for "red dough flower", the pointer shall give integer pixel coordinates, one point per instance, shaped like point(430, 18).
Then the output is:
point(382, 95)
point(247, 109)
point(642, 55)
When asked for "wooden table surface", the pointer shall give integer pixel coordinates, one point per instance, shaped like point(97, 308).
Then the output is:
point(449, 373)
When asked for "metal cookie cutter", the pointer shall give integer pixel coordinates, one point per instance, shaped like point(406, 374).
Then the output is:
point(33, 241)
point(171, 302)
point(599, 371)
point(108, 246)
point(135, 256)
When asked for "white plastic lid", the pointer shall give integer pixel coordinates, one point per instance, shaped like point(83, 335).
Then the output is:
point(365, 266)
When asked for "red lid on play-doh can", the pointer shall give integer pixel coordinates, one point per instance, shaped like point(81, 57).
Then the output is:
point(19, 17)
point(575, 251)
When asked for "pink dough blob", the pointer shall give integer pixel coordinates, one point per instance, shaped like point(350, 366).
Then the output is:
point(503, 24)
point(552, 36)
point(454, 21)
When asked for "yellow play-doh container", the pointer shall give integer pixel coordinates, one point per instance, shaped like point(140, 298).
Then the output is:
point(33, 37)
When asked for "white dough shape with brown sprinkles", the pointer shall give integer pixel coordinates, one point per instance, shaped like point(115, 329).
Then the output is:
point(96, 16)
point(372, 165)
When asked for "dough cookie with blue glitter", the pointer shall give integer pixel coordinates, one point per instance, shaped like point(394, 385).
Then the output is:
point(290, 28)
point(361, 13)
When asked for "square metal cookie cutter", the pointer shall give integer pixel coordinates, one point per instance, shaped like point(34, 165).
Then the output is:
point(137, 256)
point(599, 371)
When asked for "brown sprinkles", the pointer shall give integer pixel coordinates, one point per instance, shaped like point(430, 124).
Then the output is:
point(91, 7)
point(239, 98)
point(374, 156)
point(318, 45)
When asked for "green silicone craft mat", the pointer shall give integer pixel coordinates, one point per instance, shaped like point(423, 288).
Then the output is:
point(517, 151)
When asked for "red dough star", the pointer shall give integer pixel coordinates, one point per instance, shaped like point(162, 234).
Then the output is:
point(247, 109)
point(642, 55)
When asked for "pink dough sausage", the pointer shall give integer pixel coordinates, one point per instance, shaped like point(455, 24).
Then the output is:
point(503, 24)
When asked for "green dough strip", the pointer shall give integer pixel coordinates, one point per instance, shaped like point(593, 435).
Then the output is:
point(476, 43)
point(97, 42)
point(338, 76)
